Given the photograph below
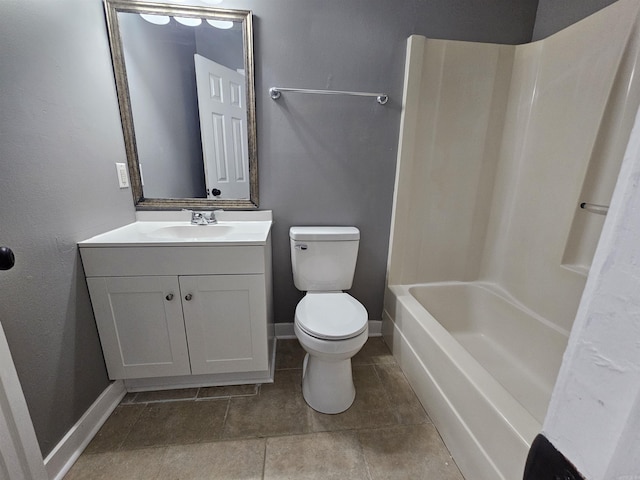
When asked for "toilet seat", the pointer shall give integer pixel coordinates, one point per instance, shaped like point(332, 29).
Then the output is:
point(331, 316)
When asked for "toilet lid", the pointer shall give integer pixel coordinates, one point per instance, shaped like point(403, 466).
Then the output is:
point(331, 316)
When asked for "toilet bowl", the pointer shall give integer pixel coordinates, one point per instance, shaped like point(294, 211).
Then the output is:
point(332, 328)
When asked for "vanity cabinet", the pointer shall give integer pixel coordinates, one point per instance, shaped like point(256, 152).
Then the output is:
point(174, 311)
point(163, 326)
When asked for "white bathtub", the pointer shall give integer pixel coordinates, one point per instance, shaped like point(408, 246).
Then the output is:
point(482, 365)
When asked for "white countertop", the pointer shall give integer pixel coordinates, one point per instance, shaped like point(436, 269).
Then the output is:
point(182, 233)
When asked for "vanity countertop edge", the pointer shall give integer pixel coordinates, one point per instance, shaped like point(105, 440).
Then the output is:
point(173, 229)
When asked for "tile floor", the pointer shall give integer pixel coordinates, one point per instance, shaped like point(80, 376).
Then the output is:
point(268, 432)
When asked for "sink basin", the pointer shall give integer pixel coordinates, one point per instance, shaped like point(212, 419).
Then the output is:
point(191, 232)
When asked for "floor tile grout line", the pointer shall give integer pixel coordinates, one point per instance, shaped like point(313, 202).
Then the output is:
point(355, 431)
point(264, 460)
point(225, 397)
point(224, 420)
point(133, 424)
point(166, 400)
point(364, 457)
point(161, 462)
point(399, 419)
point(392, 405)
point(316, 432)
point(190, 399)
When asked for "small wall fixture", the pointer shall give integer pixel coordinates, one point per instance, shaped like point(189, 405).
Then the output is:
point(595, 208)
point(276, 92)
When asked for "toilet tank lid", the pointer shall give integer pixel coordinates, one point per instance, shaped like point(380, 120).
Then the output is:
point(324, 234)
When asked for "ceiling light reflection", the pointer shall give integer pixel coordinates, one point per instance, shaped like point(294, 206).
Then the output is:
point(189, 21)
point(155, 19)
point(222, 24)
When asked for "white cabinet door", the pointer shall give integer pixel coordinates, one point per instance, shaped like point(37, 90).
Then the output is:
point(141, 325)
point(225, 320)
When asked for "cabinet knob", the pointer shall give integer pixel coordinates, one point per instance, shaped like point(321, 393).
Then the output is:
point(188, 297)
point(169, 297)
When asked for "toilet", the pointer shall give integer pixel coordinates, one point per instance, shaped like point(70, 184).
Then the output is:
point(330, 325)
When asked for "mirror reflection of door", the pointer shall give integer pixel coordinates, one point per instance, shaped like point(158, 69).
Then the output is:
point(223, 127)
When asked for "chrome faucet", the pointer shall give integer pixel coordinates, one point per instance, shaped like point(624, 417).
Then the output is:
point(203, 218)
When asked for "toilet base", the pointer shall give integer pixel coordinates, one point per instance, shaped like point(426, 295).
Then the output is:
point(327, 386)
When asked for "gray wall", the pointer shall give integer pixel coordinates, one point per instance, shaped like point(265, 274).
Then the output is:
point(59, 138)
point(554, 15)
point(331, 160)
point(164, 105)
point(323, 160)
point(221, 46)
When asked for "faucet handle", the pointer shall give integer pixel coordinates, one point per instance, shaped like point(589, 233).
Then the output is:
point(210, 217)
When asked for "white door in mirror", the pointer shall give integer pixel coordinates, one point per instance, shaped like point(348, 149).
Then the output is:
point(223, 126)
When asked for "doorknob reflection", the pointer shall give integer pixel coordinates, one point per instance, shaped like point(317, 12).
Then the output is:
point(7, 258)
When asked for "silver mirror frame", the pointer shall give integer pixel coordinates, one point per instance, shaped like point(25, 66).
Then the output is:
point(112, 7)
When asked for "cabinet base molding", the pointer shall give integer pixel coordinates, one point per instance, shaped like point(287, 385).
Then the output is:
point(196, 381)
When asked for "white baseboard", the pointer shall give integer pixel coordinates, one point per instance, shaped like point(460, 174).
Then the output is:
point(375, 328)
point(285, 330)
point(65, 454)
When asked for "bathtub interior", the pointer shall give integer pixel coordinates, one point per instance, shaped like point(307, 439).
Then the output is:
point(502, 336)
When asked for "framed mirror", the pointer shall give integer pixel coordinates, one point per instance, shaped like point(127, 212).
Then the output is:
point(185, 84)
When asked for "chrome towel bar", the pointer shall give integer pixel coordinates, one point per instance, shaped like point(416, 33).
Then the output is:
point(275, 93)
point(595, 208)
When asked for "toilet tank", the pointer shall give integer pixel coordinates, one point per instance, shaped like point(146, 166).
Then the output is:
point(323, 258)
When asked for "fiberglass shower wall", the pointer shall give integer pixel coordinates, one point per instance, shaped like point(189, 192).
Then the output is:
point(499, 146)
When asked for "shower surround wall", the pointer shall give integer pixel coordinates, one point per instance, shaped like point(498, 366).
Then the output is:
point(499, 145)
